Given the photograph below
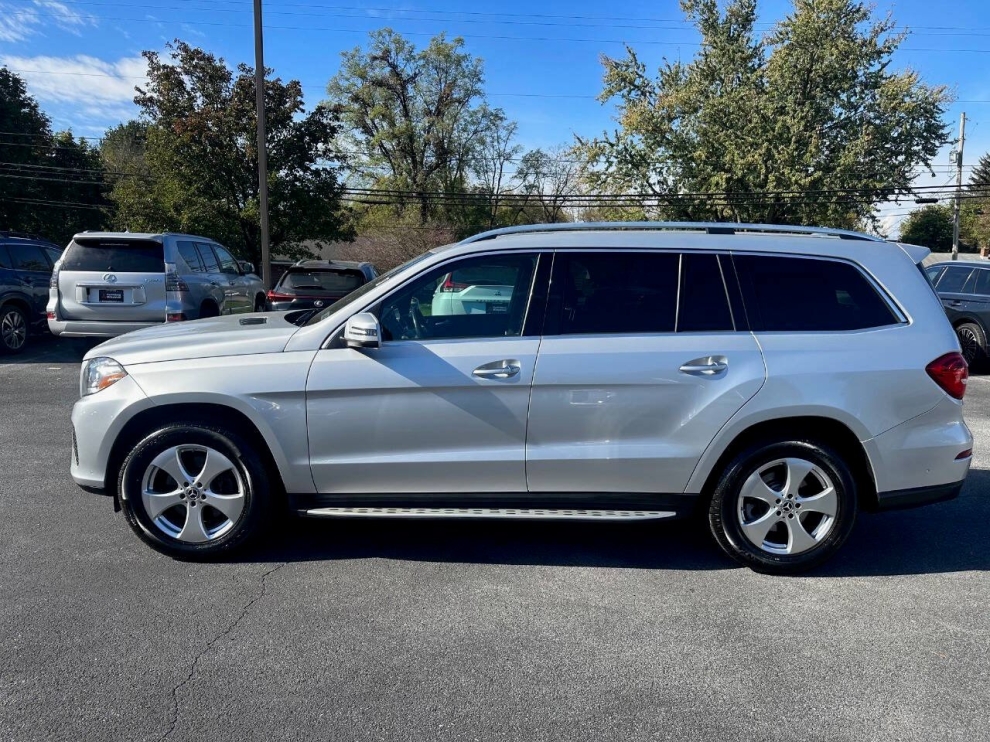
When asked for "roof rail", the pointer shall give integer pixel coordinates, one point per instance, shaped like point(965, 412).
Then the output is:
point(708, 227)
point(8, 233)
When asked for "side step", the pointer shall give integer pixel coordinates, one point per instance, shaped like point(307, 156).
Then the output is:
point(493, 513)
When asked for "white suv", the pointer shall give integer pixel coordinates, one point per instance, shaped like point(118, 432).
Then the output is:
point(776, 379)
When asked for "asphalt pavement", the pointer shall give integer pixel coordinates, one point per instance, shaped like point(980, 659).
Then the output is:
point(473, 631)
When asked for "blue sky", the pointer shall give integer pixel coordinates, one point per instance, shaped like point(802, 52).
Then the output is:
point(81, 58)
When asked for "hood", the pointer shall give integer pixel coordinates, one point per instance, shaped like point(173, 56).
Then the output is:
point(236, 335)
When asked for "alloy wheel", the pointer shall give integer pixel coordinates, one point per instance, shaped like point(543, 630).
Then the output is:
point(13, 330)
point(969, 343)
point(787, 506)
point(193, 493)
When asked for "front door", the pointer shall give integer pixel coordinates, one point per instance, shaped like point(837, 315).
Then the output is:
point(441, 406)
point(643, 367)
point(234, 285)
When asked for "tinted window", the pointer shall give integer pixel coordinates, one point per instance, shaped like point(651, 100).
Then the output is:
point(190, 254)
point(27, 257)
point(53, 254)
point(493, 305)
point(4, 260)
point(807, 295)
point(227, 262)
point(704, 305)
point(615, 292)
point(121, 257)
point(981, 284)
point(933, 273)
point(321, 281)
point(209, 259)
point(953, 280)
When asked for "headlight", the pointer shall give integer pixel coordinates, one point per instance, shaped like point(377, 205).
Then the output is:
point(98, 374)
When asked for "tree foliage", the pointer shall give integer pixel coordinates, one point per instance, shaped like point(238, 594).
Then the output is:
point(193, 158)
point(980, 177)
point(50, 183)
point(930, 226)
point(804, 125)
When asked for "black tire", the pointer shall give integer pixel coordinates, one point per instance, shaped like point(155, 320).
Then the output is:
point(260, 303)
point(209, 309)
point(250, 478)
point(14, 329)
point(973, 341)
point(728, 508)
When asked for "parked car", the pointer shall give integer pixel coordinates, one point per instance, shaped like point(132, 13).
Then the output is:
point(964, 288)
point(473, 291)
point(313, 284)
point(110, 283)
point(25, 270)
point(779, 379)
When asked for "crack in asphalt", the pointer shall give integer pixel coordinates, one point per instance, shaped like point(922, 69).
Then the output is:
point(195, 663)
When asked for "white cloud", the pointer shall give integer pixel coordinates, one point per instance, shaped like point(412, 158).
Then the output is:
point(66, 18)
point(19, 22)
point(87, 81)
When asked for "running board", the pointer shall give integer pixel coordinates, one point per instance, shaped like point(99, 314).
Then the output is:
point(489, 513)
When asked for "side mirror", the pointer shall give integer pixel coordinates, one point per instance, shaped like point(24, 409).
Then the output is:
point(246, 267)
point(363, 331)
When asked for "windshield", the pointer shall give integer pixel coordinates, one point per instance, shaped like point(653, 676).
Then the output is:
point(358, 293)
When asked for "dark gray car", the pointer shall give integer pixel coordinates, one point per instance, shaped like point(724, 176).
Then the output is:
point(25, 271)
point(964, 288)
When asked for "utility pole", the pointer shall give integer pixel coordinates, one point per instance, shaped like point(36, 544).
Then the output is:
point(259, 85)
point(959, 164)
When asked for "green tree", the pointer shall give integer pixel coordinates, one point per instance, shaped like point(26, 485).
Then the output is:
point(980, 177)
point(416, 118)
point(807, 124)
point(50, 184)
point(930, 226)
point(193, 161)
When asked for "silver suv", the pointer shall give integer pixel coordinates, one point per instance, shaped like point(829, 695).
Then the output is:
point(776, 379)
point(109, 283)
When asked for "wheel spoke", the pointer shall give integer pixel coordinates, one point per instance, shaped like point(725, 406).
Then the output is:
point(229, 505)
point(157, 503)
point(798, 539)
point(194, 531)
point(797, 471)
point(215, 465)
point(825, 502)
point(170, 463)
point(756, 488)
point(757, 530)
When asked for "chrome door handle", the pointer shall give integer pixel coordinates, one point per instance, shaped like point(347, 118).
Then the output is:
point(498, 370)
point(705, 366)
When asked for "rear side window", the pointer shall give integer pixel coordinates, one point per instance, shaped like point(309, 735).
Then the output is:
point(953, 280)
point(27, 258)
point(982, 283)
point(613, 293)
point(704, 305)
point(125, 256)
point(784, 294)
point(53, 254)
point(209, 259)
point(322, 281)
point(189, 253)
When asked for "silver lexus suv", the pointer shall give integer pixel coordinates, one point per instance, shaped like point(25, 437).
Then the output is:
point(777, 380)
point(109, 283)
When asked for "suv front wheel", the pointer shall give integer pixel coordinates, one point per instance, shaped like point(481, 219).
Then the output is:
point(13, 328)
point(194, 491)
point(784, 507)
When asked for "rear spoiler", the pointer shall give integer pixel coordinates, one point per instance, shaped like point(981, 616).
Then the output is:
point(917, 253)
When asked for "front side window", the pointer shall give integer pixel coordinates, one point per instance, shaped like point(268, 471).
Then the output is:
point(792, 294)
point(617, 293)
point(485, 297)
point(953, 280)
point(227, 262)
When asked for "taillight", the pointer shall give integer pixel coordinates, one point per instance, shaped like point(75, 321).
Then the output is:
point(450, 285)
point(272, 296)
point(172, 280)
point(951, 373)
point(53, 283)
point(175, 317)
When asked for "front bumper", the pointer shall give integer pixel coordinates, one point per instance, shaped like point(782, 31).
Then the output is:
point(97, 420)
point(86, 328)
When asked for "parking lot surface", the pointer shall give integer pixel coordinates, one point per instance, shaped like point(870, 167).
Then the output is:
point(473, 631)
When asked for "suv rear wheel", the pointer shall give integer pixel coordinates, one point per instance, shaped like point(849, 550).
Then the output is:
point(973, 342)
point(194, 491)
point(784, 507)
point(13, 328)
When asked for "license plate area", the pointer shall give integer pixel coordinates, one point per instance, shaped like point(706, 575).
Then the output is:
point(111, 296)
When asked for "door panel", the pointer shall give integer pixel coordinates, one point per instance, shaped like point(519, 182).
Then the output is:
point(233, 283)
point(616, 414)
point(413, 417)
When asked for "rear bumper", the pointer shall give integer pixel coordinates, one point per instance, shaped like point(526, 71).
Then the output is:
point(917, 496)
point(86, 328)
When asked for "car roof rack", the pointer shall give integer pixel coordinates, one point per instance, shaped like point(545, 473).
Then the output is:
point(707, 227)
point(8, 233)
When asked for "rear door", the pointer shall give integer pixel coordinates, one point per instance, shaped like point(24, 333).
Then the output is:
point(641, 364)
point(951, 289)
point(110, 279)
point(31, 275)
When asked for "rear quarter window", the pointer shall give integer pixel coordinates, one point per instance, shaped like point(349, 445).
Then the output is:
point(125, 256)
point(791, 294)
